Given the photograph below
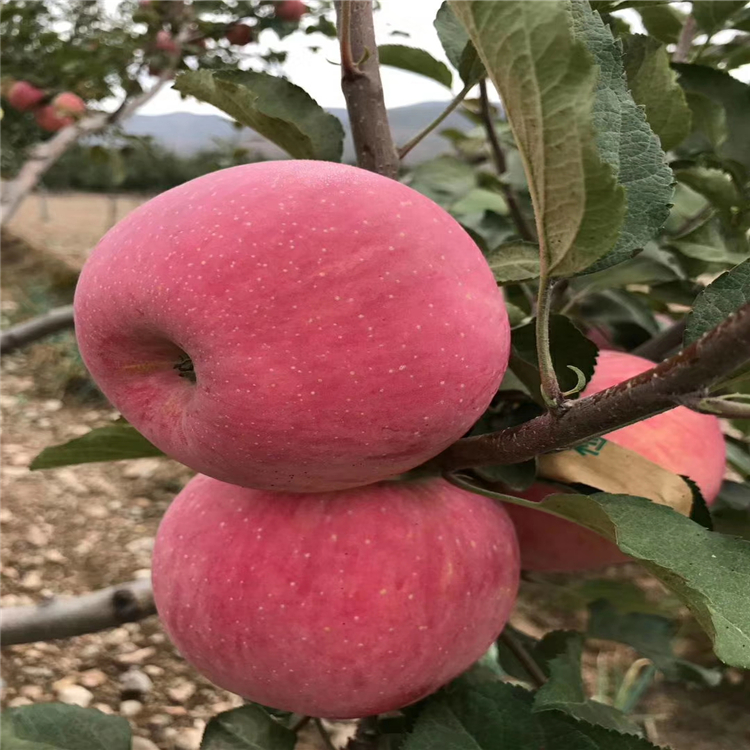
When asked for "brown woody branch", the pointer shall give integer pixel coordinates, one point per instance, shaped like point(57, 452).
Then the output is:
point(90, 613)
point(363, 90)
point(664, 343)
point(690, 372)
point(54, 321)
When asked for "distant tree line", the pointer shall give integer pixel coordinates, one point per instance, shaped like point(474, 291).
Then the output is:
point(143, 166)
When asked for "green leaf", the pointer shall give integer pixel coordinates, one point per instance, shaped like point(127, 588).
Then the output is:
point(57, 726)
point(653, 85)
point(708, 571)
point(111, 443)
point(445, 179)
point(662, 21)
point(415, 61)
point(516, 476)
point(731, 511)
point(274, 107)
point(709, 123)
point(568, 346)
point(712, 16)
point(707, 243)
point(719, 300)
point(479, 200)
point(625, 141)
point(457, 45)
point(499, 716)
point(713, 184)
point(514, 261)
point(564, 691)
point(729, 94)
point(546, 79)
point(651, 636)
point(247, 728)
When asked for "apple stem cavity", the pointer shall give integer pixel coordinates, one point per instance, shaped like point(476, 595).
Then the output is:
point(185, 368)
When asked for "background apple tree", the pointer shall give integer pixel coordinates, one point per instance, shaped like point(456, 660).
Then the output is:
point(609, 193)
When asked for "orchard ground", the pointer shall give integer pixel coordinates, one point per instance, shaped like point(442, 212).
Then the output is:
point(72, 530)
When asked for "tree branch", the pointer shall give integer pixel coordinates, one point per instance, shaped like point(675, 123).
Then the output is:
point(501, 166)
point(685, 42)
point(90, 613)
point(663, 344)
point(32, 330)
point(711, 359)
point(363, 91)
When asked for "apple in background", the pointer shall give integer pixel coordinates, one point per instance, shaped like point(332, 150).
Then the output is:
point(68, 104)
point(290, 10)
point(48, 119)
point(341, 327)
point(239, 34)
point(24, 97)
point(166, 43)
point(680, 440)
point(341, 604)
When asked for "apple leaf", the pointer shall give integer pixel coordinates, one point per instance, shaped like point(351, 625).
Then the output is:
point(712, 16)
point(654, 86)
point(277, 109)
point(651, 635)
point(710, 572)
point(662, 21)
point(546, 79)
point(718, 300)
point(568, 347)
point(57, 726)
point(726, 94)
point(514, 261)
point(247, 728)
point(564, 691)
point(457, 46)
point(415, 61)
point(625, 141)
point(493, 715)
point(113, 442)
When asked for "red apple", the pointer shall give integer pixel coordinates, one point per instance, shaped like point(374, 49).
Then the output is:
point(679, 440)
point(166, 43)
point(290, 10)
point(68, 104)
point(342, 327)
point(340, 604)
point(239, 34)
point(48, 119)
point(24, 97)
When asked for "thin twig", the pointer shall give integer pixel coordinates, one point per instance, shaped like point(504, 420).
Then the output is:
point(407, 147)
point(514, 645)
point(322, 730)
point(501, 166)
point(552, 394)
point(303, 721)
point(663, 344)
point(368, 117)
point(349, 68)
point(720, 407)
point(691, 372)
point(685, 42)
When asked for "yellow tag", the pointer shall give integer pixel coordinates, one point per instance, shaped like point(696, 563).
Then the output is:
point(602, 464)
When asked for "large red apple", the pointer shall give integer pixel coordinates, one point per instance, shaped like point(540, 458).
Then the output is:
point(68, 103)
point(290, 10)
point(342, 327)
point(679, 440)
point(50, 120)
point(339, 604)
point(24, 97)
point(239, 34)
point(166, 42)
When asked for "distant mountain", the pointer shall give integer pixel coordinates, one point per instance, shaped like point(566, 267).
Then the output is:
point(183, 132)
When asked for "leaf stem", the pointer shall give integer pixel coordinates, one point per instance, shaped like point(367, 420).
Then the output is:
point(552, 395)
point(501, 166)
point(407, 147)
point(318, 723)
point(516, 647)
